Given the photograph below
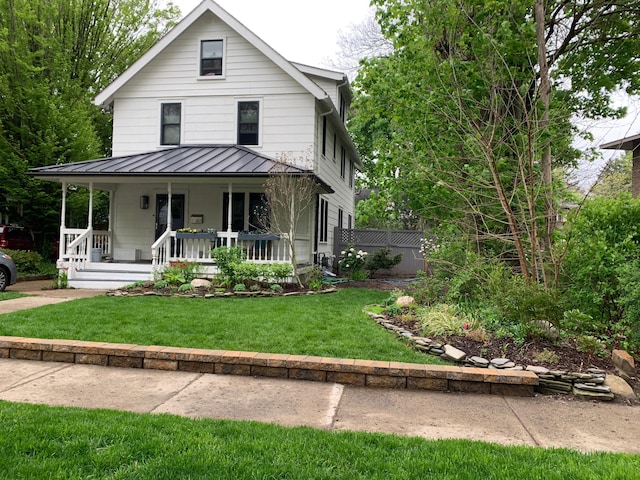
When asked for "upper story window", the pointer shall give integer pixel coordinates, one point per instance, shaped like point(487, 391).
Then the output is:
point(343, 162)
point(248, 123)
point(343, 108)
point(211, 56)
point(170, 118)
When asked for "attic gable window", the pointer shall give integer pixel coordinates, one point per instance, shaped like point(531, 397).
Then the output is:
point(248, 123)
point(170, 124)
point(211, 56)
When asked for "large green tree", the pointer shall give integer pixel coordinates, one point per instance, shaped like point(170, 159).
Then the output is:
point(55, 55)
point(460, 122)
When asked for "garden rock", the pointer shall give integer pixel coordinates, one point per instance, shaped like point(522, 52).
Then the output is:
point(620, 388)
point(200, 282)
point(624, 363)
point(548, 329)
point(477, 362)
point(452, 353)
point(405, 301)
point(502, 363)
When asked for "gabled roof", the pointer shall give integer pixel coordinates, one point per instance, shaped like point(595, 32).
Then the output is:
point(183, 161)
point(106, 96)
point(627, 143)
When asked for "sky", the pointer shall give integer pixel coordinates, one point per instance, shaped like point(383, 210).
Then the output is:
point(300, 30)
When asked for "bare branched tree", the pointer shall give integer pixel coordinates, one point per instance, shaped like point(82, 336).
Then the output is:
point(290, 196)
point(358, 41)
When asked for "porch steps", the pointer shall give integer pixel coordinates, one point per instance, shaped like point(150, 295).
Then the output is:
point(108, 276)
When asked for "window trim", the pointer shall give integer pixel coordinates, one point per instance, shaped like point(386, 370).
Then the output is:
point(161, 141)
point(260, 117)
point(224, 59)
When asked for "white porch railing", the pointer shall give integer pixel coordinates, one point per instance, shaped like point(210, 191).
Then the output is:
point(173, 246)
point(77, 244)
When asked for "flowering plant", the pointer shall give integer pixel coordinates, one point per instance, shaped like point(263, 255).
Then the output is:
point(428, 246)
point(352, 262)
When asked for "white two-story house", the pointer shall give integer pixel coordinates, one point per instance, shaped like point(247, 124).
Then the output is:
point(199, 121)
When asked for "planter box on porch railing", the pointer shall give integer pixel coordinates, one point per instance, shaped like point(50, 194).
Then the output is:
point(257, 236)
point(197, 235)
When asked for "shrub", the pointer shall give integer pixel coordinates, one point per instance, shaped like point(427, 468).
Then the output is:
point(27, 263)
point(445, 319)
point(381, 260)
point(276, 287)
point(180, 272)
point(239, 287)
point(352, 261)
point(601, 240)
point(226, 259)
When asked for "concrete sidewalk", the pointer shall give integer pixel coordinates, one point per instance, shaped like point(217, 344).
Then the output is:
point(541, 421)
point(40, 294)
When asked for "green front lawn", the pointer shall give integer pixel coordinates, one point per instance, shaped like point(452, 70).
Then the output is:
point(10, 295)
point(40, 442)
point(329, 325)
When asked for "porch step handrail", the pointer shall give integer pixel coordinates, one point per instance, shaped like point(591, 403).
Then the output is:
point(76, 251)
point(160, 249)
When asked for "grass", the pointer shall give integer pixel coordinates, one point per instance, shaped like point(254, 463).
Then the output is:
point(331, 325)
point(10, 295)
point(40, 442)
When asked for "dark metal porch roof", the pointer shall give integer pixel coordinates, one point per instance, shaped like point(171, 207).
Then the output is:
point(183, 161)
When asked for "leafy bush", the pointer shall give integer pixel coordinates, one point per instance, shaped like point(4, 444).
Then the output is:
point(239, 287)
point(226, 259)
point(180, 272)
point(601, 240)
point(27, 263)
point(277, 271)
point(445, 319)
point(382, 260)
point(275, 287)
point(352, 262)
point(246, 272)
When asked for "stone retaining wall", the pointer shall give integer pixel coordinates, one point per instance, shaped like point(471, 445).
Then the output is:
point(365, 373)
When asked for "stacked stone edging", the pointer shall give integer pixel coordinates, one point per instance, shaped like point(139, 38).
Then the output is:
point(589, 384)
point(365, 373)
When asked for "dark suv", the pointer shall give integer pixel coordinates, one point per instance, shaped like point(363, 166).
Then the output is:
point(13, 237)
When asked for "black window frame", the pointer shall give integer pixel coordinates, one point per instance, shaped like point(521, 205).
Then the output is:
point(343, 163)
point(246, 137)
point(215, 69)
point(324, 136)
point(164, 124)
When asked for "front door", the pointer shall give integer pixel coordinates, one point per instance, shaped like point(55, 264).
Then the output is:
point(177, 212)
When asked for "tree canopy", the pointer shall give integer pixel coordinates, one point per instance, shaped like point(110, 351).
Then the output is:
point(55, 55)
point(455, 123)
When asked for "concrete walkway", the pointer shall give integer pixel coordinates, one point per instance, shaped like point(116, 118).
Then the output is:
point(540, 421)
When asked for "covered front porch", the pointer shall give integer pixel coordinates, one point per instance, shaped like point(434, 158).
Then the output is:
point(157, 218)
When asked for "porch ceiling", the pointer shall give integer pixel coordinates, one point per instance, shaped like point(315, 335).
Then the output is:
point(183, 161)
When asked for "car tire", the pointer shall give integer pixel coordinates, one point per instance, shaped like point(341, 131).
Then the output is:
point(4, 278)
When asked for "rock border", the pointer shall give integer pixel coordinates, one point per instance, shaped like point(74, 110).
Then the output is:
point(591, 384)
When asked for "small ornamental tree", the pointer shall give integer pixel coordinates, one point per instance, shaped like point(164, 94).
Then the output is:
point(290, 194)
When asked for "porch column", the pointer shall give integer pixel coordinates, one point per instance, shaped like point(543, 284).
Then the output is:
point(230, 216)
point(169, 194)
point(62, 247)
point(90, 222)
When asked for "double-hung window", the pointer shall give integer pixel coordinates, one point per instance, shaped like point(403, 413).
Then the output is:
point(248, 123)
point(343, 162)
point(211, 58)
point(170, 118)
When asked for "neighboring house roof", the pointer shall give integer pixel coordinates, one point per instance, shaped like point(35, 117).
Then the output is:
point(627, 143)
point(106, 96)
point(183, 161)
